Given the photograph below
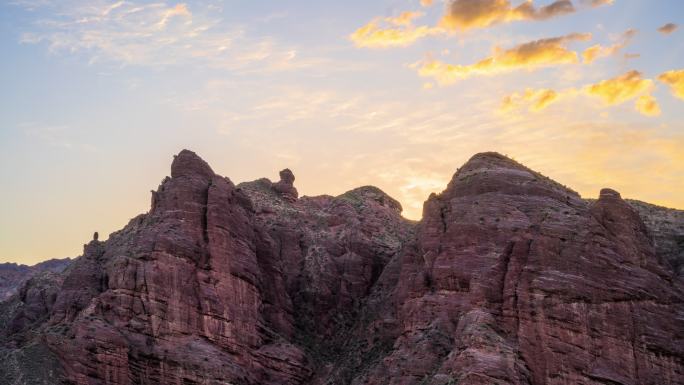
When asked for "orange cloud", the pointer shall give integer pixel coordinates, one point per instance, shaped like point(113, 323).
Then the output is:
point(469, 14)
point(668, 28)
point(376, 34)
point(620, 89)
point(537, 99)
point(674, 79)
point(404, 18)
point(598, 3)
point(612, 91)
point(596, 51)
point(531, 55)
point(178, 10)
point(647, 105)
point(426, 3)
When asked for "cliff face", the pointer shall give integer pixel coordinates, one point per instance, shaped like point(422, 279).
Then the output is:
point(515, 280)
point(667, 228)
point(509, 278)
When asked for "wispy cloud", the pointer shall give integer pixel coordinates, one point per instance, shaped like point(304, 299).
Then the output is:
point(155, 34)
point(58, 136)
point(537, 99)
point(597, 3)
point(396, 31)
point(614, 91)
point(459, 15)
point(596, 51)
point(528, 56)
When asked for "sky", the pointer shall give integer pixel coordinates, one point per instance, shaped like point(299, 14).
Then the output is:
point(97, 97)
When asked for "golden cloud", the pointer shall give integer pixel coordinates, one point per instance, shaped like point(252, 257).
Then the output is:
point(613, 91)
point(597, 3)
point(590, 54)
point(647, 105)
point(620, 89)
point(404, 18)
point(537, 99)
point(668, 28)
point(596, 51)
point(674, 79)
point(400, 32)
point(468, 14)
point(426, 3)
point(531, 55)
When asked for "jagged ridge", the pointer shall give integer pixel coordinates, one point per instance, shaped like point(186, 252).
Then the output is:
point(509, 278)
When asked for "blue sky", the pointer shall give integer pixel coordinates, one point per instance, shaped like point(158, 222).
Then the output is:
point(98, 95)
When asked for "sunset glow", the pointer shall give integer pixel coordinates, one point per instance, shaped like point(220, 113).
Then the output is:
point(98, 96)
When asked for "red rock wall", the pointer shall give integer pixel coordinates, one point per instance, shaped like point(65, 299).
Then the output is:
point(510, 278)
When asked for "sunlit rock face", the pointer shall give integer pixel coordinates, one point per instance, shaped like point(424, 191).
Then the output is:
point(509, 278)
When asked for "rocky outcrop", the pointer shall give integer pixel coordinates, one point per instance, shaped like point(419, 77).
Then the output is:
point(13, 276)
point(285, 186)
point(666, 226)
point(509, 278)
point(515, 280)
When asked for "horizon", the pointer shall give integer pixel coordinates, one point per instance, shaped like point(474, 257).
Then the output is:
point(99, 95)
point(38, 261)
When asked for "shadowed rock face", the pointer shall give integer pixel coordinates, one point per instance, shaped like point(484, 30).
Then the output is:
point(13, 276)
point(667, 228)
point(285, 186)
point(509, 278)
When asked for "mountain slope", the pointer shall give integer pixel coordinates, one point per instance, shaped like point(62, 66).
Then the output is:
point(509, 278)
point(12, 276)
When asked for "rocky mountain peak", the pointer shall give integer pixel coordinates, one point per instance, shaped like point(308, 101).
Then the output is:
point(374, 194)
point(189, 164)
point(509, 279)
point(609, 194)
point(488, 160)
point(491, 172)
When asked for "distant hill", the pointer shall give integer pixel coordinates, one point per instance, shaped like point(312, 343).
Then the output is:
point(13, 275)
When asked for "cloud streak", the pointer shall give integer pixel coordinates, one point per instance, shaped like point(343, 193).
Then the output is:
point(612, 92)
point(470, 14)
point(597, 3)
point(529, 56)
point(396, 31)
point(536, 99)
point(154, 35)
point(597, 51)
point(459, 16)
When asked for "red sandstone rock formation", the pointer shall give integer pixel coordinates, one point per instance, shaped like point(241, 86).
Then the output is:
point(13, 276)
point(509, 278)
point(285, 186)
